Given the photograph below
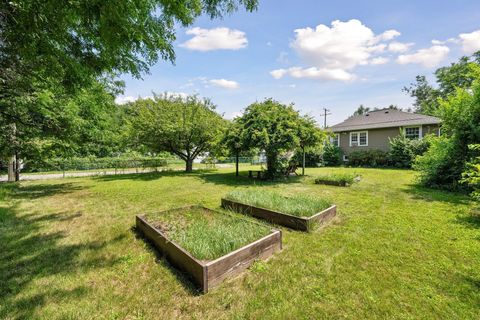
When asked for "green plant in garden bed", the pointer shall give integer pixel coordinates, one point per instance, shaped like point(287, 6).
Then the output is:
point(207, 234)
point(339, 179)
point(297, 205)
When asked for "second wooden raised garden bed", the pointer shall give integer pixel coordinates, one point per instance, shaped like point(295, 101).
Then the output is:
point(283, 219)
point(209, 273)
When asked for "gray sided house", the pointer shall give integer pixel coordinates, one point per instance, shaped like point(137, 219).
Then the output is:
point(374, 129)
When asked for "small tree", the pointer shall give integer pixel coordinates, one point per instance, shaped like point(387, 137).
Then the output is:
point(270, 126)
point(186, 127)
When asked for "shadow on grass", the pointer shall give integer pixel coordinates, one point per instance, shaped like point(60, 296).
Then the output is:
point(429, 194)
point(181, 277)
point(208, 175)
point(30, 255)
point(472, 220)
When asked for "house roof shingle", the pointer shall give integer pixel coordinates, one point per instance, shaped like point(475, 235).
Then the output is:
point(385, 118)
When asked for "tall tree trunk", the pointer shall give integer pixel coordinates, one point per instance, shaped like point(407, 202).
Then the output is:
point(303, 162)
point(236, 164)
point(11, 169)
point(189, 165)
point(271, 165)
point(17, 167)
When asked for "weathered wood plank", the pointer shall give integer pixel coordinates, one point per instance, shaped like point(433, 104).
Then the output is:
point(175, 254)
point(235, 262)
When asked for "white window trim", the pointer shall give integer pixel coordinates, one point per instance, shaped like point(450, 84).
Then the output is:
point(420, 131)
point(358, 138)
point(338, 139)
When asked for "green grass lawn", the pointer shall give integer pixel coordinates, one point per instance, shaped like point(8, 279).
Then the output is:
point(68, 250)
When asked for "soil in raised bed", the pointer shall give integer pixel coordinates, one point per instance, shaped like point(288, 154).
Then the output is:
point(207, 234)
point(298, 205)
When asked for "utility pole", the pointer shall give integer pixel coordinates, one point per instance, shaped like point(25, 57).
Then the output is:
point(326, 112)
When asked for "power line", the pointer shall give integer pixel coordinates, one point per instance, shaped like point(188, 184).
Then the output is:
point(326, 112)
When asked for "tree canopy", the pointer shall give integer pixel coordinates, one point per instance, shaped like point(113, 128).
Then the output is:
point(448, 79)
point(186, 127)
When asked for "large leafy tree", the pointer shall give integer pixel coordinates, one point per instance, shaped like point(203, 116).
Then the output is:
point(448, 79)
point(52, 49)
point(272, 127)
point(186, 127)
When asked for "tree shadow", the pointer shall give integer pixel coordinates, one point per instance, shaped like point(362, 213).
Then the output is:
point(28, 254)
point(429, 194)
point(472, 220)
point(183, 278)
point(149, 176)
point(229, 178)
point(35, 191)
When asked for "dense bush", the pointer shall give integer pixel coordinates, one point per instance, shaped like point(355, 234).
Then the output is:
point(471, 176)
point(368, 158)
point(403, 151)
point(332, 155)
point(440, 165)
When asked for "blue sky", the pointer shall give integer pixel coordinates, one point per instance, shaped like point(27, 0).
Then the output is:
point(333, 54)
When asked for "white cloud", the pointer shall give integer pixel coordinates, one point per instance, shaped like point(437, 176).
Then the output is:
point(379, 61)
point(399, 47)
point(125, 99)
point(314, 73)
point(233, 115)
point(470, 41)
point(388, 35)
point(215, 39)
point(333, 51)
point(429, 57)
point(223, 83)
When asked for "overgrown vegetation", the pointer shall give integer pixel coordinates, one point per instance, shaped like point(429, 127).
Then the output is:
point(207, 234)
point(340, 179)
point(403, 151)
point(471, 176)
point(332, 155)
point(297, 205)
point(368, 158)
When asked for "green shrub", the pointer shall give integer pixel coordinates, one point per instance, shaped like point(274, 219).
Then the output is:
point(368, 158)
point(440, 167)
point(341, 179)
point(332, 155)
point(403, 151)
point(471, 176)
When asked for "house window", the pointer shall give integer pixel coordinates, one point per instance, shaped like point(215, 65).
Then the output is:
point(335, 140)
point(359, 139)
point(413, 133)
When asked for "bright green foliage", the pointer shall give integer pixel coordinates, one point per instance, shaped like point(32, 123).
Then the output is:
point(186, 127)
point(343, 179)
point(207, 234)
point(332, 155)
point(403, 151)
point(272, 127)
point(471, 176)
point(297, 205)
point(444, 162)
point(310, 137)
point(457, 75)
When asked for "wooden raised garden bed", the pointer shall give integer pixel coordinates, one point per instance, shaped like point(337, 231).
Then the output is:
point(332, 183)
point(209, 273)
point(283, 219)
